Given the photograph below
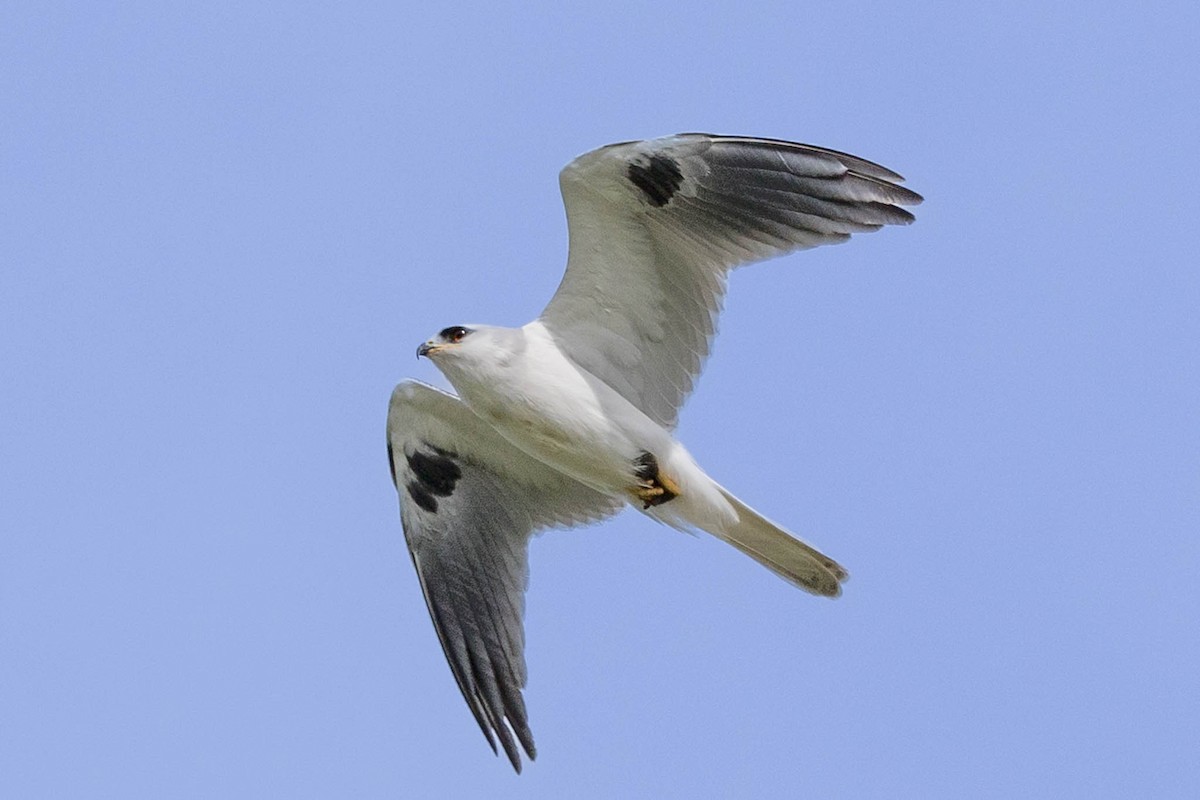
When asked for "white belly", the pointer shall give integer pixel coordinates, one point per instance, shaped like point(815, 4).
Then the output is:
point(567, 431)
point(569, 419)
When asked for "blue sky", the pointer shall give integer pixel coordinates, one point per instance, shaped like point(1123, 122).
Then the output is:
point(225, 228)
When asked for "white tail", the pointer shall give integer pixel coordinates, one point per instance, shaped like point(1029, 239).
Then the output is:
point(781, 552)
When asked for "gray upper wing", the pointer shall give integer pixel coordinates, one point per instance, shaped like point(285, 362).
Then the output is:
point(655, 227)
point(469, 501)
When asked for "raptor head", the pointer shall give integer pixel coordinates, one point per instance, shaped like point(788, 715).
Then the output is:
point(447, 339)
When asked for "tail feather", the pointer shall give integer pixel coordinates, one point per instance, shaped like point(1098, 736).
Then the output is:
point(782, 553)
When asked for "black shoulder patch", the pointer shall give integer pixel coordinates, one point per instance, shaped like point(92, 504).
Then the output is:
point(435, 474)
point(436, 471)
point(422, 497)
point(658, 177)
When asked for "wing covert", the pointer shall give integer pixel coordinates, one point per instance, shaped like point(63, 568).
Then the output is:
point(656, 226)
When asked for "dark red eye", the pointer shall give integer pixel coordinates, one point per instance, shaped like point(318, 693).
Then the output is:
point(454, 335)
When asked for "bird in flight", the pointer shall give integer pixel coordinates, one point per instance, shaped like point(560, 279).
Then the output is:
point(568, 419)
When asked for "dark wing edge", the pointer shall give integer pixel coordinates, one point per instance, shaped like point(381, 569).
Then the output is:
point(469, 503)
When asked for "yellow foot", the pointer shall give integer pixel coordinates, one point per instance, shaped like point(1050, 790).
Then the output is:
point(649, 495)
point(656, 491)
point(669, 486)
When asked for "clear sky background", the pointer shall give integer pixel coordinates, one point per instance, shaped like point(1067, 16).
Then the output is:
point(224, 228)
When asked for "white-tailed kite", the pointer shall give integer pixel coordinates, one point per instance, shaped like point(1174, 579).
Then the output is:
point(566, 420)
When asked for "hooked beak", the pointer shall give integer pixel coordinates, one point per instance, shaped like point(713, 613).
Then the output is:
point(425, 349)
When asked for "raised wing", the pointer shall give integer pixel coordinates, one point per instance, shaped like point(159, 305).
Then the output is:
point(469, 501)
point(655, 227)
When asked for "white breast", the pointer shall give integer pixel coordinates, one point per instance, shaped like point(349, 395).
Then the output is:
point(552, 409)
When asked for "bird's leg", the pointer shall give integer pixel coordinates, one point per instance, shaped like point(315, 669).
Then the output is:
point(653, 487)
